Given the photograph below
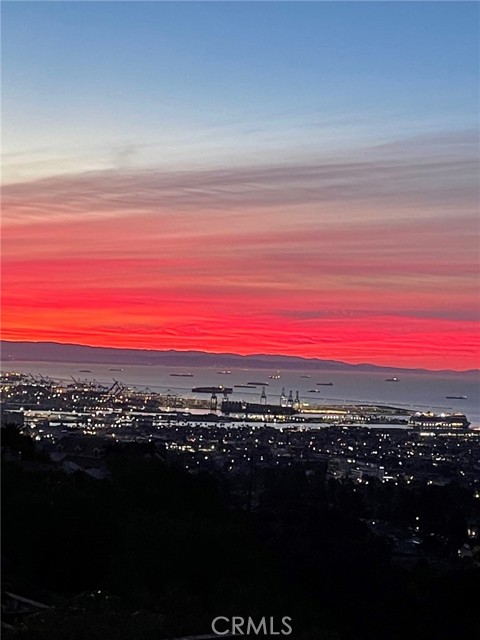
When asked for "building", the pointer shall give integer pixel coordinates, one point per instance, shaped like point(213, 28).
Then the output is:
point(441, 421)
point(247, 410)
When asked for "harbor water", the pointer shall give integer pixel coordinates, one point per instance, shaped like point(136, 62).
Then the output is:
point(411, 390)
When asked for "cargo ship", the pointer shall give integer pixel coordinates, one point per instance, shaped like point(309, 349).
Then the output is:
point(219, 389)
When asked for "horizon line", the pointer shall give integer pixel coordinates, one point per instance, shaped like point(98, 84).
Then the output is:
point(240, 355)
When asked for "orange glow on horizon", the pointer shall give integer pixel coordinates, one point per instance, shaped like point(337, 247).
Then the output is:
point(328, 282)
point(335, 340)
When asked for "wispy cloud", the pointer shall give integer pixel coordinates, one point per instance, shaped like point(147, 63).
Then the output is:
point(430, 171)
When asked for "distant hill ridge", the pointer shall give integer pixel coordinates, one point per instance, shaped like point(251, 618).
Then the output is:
point(56, 352)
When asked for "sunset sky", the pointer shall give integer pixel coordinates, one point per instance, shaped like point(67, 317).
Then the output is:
point(279, 177)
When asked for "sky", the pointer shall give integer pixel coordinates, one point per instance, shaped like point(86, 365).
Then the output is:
point(292, 178)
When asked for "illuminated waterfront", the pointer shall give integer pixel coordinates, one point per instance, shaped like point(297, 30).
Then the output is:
point(423, 391)
point(354, 441)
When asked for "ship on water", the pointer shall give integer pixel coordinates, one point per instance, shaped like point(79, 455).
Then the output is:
point(220, 389)
point(182, 375)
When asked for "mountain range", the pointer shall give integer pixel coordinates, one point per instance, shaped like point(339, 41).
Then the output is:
point(56, 352)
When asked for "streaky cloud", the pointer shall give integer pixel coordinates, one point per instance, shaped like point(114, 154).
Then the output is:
point(425, 171)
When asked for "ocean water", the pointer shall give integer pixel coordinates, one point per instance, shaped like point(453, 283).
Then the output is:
point(422, 391)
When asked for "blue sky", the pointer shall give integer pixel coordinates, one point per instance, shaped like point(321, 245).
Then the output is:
point(104, 75)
